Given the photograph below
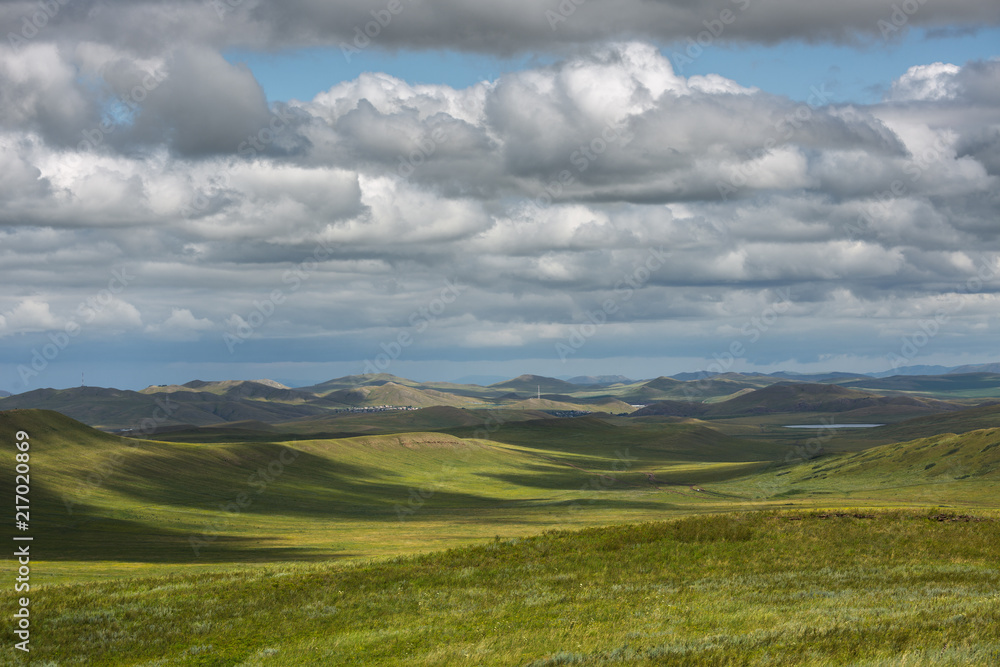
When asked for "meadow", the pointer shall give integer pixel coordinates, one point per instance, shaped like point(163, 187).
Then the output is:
point(857, 587)
point(536, 541)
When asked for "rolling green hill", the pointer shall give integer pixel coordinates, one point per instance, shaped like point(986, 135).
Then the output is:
point(375, 380)
point(893, 586)
point(530, 384)
point(651, 443)
point(220, 387)
point(961, 421)
point(391, 393)
point(435, 418)
point(352, 497)
point(353, 381)
point(204, 403)
point(670, 389)
point(929, 470)
point(558, 403)
point(344, 425)
point(119, 409)
point(957, 421)
point(263, 390)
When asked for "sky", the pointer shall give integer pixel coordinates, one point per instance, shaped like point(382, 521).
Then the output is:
point(301, 190)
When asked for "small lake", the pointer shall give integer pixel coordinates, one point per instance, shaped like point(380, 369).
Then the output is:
point(834, 426)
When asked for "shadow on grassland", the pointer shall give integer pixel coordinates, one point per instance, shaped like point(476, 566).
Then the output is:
point(105, 539)
point(90, 534)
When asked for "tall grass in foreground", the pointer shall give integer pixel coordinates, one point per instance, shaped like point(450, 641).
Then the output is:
point(850, 587)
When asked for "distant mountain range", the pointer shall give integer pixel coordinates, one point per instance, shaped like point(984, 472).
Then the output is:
point(701, 395)
point(977, 368)
point(600, 379)
point(839, 376)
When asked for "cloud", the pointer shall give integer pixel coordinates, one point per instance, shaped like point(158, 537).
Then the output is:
point(204, 106)
point(40, 92)
point(29, 315)
point(180, 325)
point(112, 315)
point(926, 82)
point(544, 192)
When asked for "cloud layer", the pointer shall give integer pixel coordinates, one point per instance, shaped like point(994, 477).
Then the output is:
point(151, 192)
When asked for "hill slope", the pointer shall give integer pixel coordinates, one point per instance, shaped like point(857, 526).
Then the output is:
point(119, 409)
point(354, 381)
point(668, 388)
point(973, 385)
point(652, 444)
point(259, 389)
point(265, 500)
point(532, 383)
point(959, 421)
point(913, 470)
point(792, 397)
point(391, 393)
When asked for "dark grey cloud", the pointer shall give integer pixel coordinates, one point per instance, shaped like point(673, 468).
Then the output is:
point(203, 106)
point(503, 28)
point(979, 82)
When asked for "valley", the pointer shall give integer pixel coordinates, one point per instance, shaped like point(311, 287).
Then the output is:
point(252, 485)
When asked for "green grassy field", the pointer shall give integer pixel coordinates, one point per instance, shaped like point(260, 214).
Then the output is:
point(703, 543)
point(187, 504)
point(766, 588)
